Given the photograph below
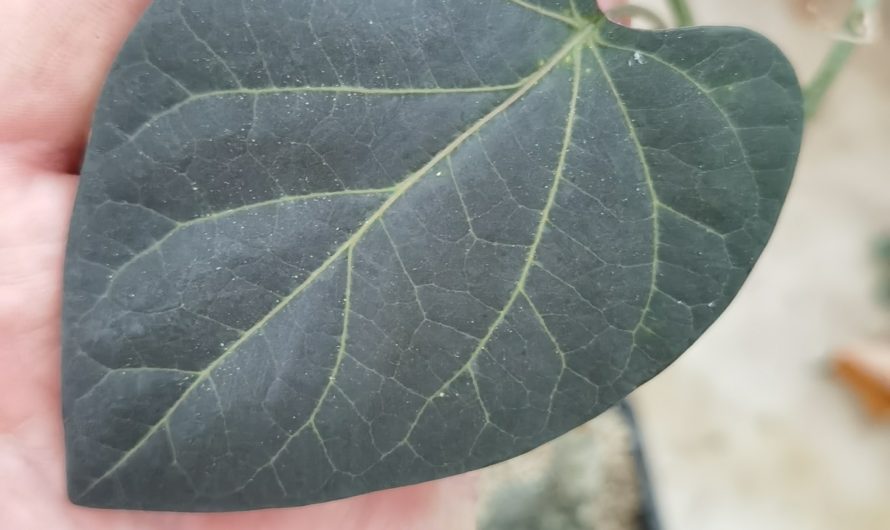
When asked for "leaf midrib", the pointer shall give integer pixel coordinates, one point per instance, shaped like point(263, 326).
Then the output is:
point(575, 41)
point(333, 89)
point(650, 185)
point(519, 290)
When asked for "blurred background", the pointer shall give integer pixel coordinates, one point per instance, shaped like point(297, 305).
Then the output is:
point(779, 417)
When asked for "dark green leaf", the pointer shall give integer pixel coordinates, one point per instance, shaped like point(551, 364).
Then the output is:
point(327, 247)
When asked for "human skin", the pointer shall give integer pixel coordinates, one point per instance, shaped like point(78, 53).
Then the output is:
point(54, 56)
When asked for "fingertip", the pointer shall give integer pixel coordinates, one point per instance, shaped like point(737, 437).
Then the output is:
point(54, 57)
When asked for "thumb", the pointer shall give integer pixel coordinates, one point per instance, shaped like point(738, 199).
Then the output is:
point(54, 56)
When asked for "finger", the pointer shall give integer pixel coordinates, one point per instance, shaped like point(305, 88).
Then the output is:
point(447, 504)
point(54, 56)
point(606, 5)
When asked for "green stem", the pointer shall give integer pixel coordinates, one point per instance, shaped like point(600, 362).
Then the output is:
point(838, 56)
point(682, 13)
point(884, 268)
point(834, 62)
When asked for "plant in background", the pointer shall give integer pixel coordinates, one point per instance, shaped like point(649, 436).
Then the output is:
point(884, 268)
point(325, 248)
point(857, 28)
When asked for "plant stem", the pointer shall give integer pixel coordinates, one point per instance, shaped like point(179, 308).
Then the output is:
point(834, 62)
point(884, 268)
point(838, 56)
point(682, 13)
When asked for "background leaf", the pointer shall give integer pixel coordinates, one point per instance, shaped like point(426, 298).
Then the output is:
point(324, 248)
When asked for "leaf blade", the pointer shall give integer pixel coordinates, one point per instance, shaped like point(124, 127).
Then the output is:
point(609, 283)
point(346, 246)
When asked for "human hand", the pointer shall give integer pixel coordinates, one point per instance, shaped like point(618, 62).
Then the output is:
point(54, 55)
